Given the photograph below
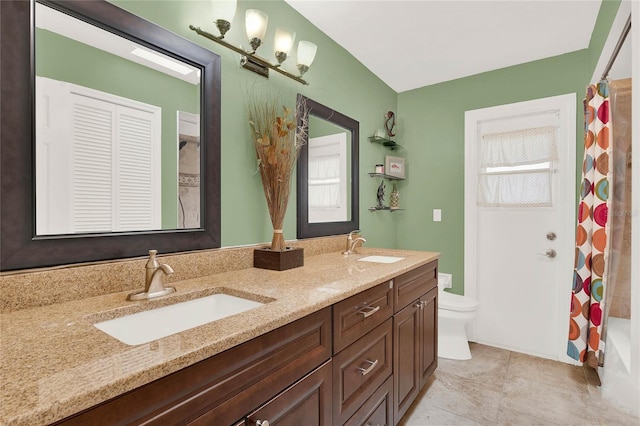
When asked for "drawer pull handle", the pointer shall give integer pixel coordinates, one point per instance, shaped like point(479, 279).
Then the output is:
point(367, 311)
point(367, 370)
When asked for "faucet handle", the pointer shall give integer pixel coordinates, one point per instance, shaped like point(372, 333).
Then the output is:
point(152, 262)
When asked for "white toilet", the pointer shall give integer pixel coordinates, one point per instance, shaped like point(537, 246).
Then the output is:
point(454, 312)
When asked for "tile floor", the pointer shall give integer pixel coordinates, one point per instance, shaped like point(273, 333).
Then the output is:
point(500, 387)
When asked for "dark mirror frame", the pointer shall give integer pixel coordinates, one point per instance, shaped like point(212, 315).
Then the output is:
point(309, 230)
point(19, 246)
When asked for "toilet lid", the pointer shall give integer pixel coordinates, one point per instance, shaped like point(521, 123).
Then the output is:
point(455, 302)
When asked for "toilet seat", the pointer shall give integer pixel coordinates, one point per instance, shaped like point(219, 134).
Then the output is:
point(455, 302)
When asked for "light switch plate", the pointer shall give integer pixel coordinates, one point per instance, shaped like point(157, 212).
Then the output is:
point(437, 215)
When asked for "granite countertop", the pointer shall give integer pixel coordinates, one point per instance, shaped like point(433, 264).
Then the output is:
point(54, 362)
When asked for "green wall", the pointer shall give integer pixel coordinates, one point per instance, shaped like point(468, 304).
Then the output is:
point(606, 16)
point(431, 119)
point(433, 132)
point(64, 59)
point(434, 136)
point(336, 79)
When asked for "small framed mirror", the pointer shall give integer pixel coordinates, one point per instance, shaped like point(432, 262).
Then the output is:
point(327, 173)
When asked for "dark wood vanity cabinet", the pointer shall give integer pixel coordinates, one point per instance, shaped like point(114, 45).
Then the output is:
point(415, 335)
point(223, 389)
point(359, 362)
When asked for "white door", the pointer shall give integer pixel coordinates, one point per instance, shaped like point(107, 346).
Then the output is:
point(519, 246)
point(98, 161)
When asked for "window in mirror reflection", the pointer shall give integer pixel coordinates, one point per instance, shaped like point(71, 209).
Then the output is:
point(327, 182)
point(117, 132)
point(329, 148)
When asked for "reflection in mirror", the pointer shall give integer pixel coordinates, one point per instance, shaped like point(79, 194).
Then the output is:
point(327, 185)
point(102, 215)
point(107, 140)
point(329, 149)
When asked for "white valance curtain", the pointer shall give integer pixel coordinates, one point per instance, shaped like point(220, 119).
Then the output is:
point(324, 181)
point(515, 168)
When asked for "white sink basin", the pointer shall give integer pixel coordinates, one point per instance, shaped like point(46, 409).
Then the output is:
point(143, 327)
point(381, 259)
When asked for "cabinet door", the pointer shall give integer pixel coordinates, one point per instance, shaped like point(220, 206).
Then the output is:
point(307, 402)
point(429, 335)
point(406, 355)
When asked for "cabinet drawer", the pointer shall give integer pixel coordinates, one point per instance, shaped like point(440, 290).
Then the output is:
point(360, 369)
point(359, 314)
point(307, 402)
point(413, 284)
point(377, 410)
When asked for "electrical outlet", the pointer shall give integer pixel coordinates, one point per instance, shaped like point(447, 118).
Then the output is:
point(445, 280)
point(437, 215)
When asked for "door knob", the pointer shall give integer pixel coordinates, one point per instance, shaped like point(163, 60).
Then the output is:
point(551, 236)
point(551, 253)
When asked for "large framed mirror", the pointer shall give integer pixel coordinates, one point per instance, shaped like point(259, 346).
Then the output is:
point(327, 172)
point(103, 151)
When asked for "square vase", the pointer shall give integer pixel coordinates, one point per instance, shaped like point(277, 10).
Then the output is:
point(265, 258)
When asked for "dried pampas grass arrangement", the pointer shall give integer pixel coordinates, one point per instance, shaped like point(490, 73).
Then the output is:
point(278, 132)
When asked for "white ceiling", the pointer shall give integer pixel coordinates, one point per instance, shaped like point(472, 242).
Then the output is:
point(410, 44)
point(83, 32)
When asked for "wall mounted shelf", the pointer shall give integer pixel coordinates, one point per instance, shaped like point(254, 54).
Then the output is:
point(375, 209)
point(385, 142)
point(385, 176)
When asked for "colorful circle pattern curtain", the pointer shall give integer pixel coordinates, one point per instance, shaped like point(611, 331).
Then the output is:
point(591, 256)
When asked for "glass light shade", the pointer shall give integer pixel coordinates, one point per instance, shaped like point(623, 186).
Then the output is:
point(255, 23)
point(224, 9)
point(284, 39)
point(306, 53)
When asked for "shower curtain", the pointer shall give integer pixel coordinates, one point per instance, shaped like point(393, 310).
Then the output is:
point(592, 233)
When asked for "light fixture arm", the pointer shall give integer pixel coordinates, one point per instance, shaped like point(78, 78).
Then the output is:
point(248, 55)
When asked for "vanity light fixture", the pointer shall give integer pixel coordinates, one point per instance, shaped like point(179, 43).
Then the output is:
point(306, 55)
point(256, 27)
point(283, 43)
point(255, 22)
point(224, 10)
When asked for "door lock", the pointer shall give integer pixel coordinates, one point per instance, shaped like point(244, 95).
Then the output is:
point(551, 236)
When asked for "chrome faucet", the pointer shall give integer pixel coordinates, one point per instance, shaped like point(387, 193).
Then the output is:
point(353, 242)
point(153, 286)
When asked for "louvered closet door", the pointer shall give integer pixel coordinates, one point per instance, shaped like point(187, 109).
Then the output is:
point(92, 175)
point(135, 197)
point(112, 176)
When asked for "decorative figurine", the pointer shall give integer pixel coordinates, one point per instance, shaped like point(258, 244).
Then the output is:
point(390, 123)
point(381, 195)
